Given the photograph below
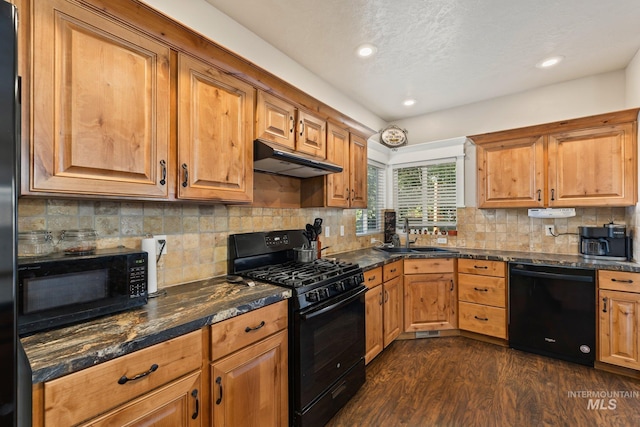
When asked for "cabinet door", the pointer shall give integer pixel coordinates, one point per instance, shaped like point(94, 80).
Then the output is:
point(312, 135)
point(593, 167)
point(511, 173)
point(392, 309)
point(101, 110)
point(620, 328)
point(373, 323)
point(215, 134)
point(249, 387)
point(178, 404)
point(429, 302)
point(275, 120)
point(358, 171)
point(338, 190)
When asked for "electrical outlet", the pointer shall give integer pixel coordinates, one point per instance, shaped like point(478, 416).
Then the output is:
point(549, 230)
point(326, 231)
point(442, 240)
point(374, 240)
point(342, 230)
point(159, 239)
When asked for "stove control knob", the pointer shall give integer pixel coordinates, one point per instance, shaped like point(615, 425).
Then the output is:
point(312, 296)
point(323, 293)
point(339, 286)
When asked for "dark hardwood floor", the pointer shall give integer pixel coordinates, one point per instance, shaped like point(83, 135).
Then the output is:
point(457, 381)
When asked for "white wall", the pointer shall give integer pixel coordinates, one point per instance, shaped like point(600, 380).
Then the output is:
point(632, 74)
point(218, 27)
point(576, 98)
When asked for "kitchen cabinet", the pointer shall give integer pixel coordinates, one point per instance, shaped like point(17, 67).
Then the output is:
point(482, 297)
point(280, 122)
point(160, 383)
point(249, 368)
point(100, 122)
point(347, 189)
point(215, 133)
point(619, 318)
point(430, 295)
point(383, 308)
point(590, 161)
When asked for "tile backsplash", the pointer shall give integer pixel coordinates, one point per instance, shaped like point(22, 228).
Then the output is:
point(197, 234)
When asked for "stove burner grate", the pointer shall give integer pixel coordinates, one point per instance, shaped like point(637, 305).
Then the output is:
point(296, 274)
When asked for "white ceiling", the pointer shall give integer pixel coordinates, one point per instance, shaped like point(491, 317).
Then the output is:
point(443, 53)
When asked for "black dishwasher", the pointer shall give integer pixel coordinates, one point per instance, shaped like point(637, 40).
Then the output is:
point(552, 311)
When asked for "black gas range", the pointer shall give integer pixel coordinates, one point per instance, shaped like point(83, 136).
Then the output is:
point(326, 320)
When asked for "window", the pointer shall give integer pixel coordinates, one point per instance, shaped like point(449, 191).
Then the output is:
point(370, 220)
point(426, 194)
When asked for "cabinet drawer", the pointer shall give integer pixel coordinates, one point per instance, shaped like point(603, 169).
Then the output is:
point(425, 266)
point(483, 319)
point(485, 268)
point(238, 332)
point(487, 290)
point(373, 277)
point(84, 394)
point(392, 270)
point(619, 280)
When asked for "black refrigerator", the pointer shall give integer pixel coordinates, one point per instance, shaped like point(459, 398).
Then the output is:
point(15, 384)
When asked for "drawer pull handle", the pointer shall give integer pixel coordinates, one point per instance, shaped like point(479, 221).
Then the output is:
point(621, 281)
point(194, 393)
point(451, 288)
point(484, 319)
point(481, 267)
point(604, 304)
point(219, 382)
point(481, 290)
point(163, 166)
point(393, 271)
point(185, 182)
point(372, 278)
point(255, 328)
point(123, 379)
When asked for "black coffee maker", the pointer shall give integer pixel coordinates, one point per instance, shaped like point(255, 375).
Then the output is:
point(609, 242)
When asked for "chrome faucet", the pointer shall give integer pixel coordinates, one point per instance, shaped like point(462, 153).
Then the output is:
point(406, 227)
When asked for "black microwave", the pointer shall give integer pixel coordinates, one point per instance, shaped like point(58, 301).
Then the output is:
point(59, 289)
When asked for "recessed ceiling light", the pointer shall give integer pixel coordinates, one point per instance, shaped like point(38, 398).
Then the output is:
point(366, 50)
point(408, 102)
point(549, 62)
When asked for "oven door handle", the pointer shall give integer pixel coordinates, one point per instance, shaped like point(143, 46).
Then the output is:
point(341, 303)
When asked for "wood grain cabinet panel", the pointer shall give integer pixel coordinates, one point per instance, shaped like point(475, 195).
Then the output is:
point(511, 173)
point(101, 106)
point(483, 319)
point(374, 339)
point(593, 167)
point(338, 184)
point(84, 394)
point(392, 310)
point(619, 338)
point(178, 404)
point(589, 161)
point(215, 133)
point(275, 120)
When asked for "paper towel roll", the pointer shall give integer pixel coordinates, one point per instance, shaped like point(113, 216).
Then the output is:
point(149, 246)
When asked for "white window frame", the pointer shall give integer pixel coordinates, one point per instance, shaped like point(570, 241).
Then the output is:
point(381, 200)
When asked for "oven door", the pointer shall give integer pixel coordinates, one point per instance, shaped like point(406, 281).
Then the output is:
point(329, 340)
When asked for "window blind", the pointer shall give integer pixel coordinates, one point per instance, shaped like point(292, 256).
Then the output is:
point(426, 194)
point(370, 220)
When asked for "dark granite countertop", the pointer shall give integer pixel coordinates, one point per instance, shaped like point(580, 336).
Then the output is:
point(371, 258)
point(184, 308)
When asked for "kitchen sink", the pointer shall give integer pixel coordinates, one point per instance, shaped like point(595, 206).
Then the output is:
point(416, 249)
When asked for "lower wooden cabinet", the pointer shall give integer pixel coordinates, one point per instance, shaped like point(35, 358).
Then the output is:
point(482, 297)
point(160, 383)
point(383, 308)
point(178, 404)
point(619, 318)
point(430, 297)
point(249, 384)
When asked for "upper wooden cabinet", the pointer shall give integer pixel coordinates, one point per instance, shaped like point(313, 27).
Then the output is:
point(280, 122)
point(583, 162)
point(100, 106)
point(215, 133)
point(347, 189)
